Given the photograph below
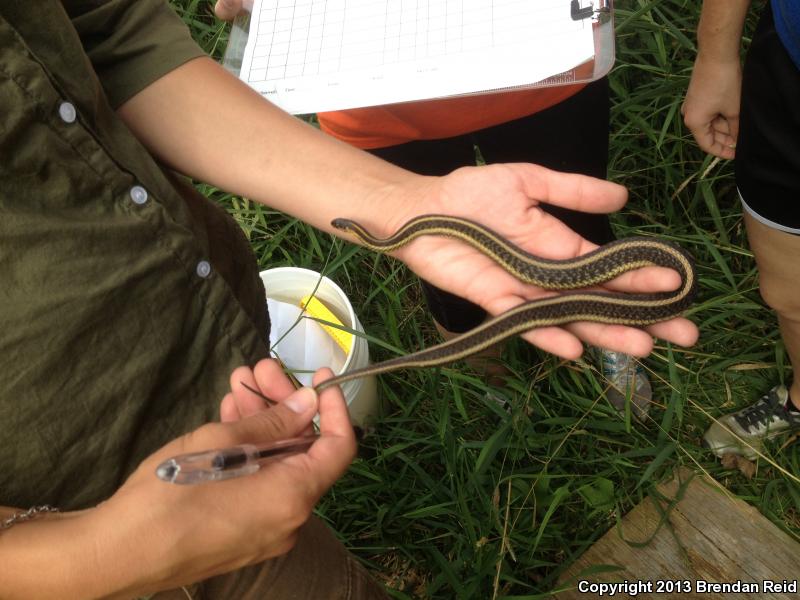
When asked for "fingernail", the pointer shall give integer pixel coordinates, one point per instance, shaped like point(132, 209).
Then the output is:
point(302, 400)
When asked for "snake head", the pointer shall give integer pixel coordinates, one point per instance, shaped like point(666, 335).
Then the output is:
point(342, 224)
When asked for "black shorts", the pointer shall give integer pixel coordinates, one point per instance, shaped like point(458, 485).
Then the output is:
point(768, 148)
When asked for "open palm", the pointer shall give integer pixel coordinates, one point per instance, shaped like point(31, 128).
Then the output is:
point(507, 199)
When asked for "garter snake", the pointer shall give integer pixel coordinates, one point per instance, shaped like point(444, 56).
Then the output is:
point(590, 269)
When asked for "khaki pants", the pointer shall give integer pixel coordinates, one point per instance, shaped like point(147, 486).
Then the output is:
point(318, 567)
point(778, 258)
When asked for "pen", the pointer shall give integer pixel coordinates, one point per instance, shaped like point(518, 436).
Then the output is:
point(226, 463)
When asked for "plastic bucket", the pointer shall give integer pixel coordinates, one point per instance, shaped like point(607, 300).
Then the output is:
point(290, 284)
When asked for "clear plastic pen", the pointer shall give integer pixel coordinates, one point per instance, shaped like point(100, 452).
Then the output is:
point(226, 463)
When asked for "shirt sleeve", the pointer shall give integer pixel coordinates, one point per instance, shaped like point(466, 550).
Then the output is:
point(131, 43)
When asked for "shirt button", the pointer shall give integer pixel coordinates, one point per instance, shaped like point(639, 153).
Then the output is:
point(203, 269)
point(138, 194)
point(66, 110)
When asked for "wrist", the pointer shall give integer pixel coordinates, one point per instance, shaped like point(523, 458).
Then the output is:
point(58, 544)
point(392, 202)
point(127, 563)
point(414, 199)
point(408, 200)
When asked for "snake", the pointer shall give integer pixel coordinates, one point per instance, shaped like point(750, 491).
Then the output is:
point(590, 269)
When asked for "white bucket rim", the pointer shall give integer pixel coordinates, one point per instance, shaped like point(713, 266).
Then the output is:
point(327, 281)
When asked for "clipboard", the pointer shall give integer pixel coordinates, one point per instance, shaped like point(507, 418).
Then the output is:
point(601, 13)
point(596, 13)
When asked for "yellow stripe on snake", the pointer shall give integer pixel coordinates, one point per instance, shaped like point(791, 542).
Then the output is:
point(593, 268)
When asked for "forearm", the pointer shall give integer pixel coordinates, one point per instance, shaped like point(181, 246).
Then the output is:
point(76, 555)
point(719, 32)
point(50, 557)
point(205, 123)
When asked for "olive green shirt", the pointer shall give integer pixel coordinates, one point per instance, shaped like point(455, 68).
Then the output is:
point(125, 300)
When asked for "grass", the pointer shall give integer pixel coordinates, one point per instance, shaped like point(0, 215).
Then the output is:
point(456, 496)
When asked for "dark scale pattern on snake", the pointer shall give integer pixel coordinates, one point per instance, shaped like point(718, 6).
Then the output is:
point(587, 270)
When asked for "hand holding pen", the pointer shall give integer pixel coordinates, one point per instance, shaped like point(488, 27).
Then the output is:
point(227, 463)
point(171, 535)
point(245, 399)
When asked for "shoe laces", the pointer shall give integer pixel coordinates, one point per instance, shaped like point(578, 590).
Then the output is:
point(764, 411)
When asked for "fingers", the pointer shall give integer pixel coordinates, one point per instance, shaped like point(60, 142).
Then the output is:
point(716, 134)
point(723, 136)
point(733, 124)
point(552, 239)
point(330, 455)
point(646, 280)
point(678, 331)
point(726, 128)
point(241, 402)
point(555, 340)
point(618, 338)
point(566, 343)
point(569, 190)
point(711, 107)
point(228, 411)
point(272, 381)
point(289, 418)
point(705, 137)
point(336, 448)
point(275, 384)
point(631, 340)
point(250, 387)
point(267, 378)
point(227, 10)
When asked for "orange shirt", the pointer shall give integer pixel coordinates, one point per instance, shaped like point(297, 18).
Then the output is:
point(389, 125)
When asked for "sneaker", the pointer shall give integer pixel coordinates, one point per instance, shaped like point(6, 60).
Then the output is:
point(626, 379)
point(743, 432)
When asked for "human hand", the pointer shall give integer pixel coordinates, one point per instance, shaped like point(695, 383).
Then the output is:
point(227, 10)
point(711, 107)
point(507, 198)
point(175, 534)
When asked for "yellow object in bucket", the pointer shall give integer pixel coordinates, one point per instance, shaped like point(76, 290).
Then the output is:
point(318, 310)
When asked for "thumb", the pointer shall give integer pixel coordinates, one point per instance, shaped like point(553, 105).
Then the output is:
point(226, 10)
point(286, 419)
